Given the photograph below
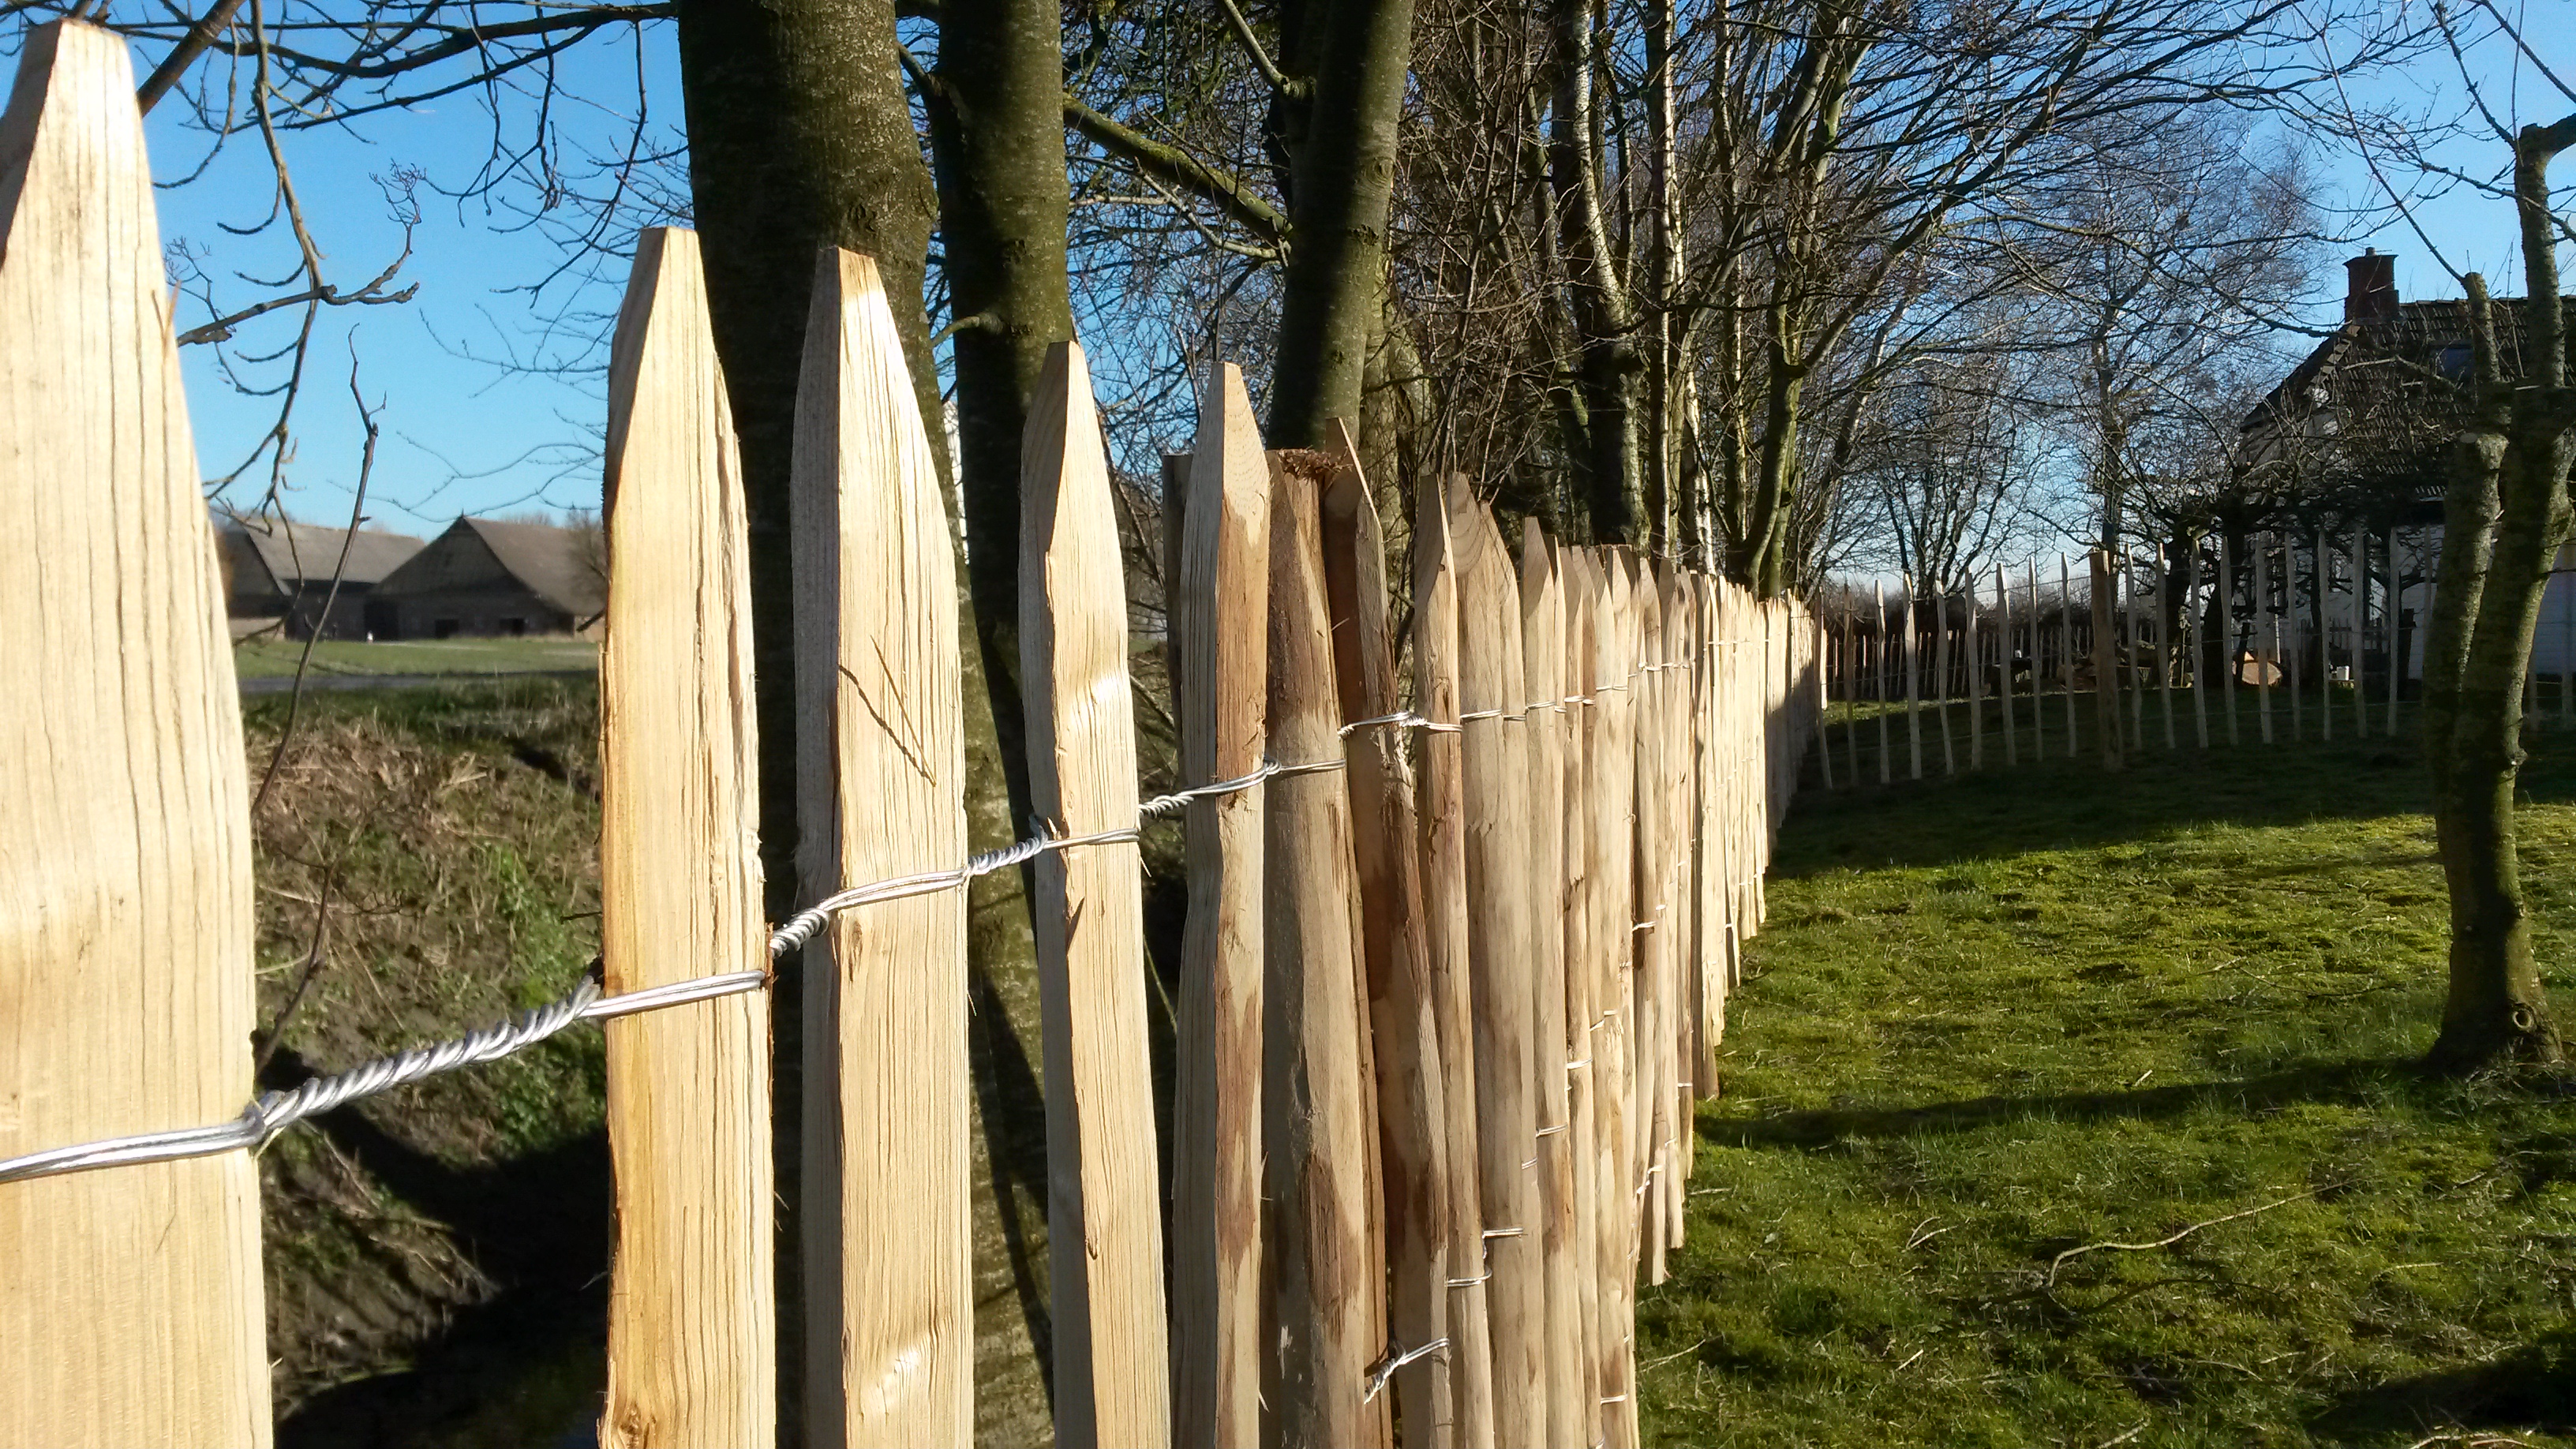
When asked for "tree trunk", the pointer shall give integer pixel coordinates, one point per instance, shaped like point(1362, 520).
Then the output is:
point(1607, 360)
point(800, 137)
point(1350, 58)
point(997, 146)
point(2504, 517)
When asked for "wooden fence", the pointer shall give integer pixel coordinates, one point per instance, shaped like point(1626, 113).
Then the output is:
point(1464, 906)
point(2280, 638)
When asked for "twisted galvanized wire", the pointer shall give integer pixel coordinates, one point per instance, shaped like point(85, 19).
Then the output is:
point(274, 1112)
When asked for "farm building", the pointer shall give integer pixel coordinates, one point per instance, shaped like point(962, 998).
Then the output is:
point(279, 572)
point(486, 578)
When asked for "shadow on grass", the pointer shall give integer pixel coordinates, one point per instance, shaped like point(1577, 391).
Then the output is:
point(538, 1227)
point(2532, 1388)
point(1825, 1128)
point(2058, 804)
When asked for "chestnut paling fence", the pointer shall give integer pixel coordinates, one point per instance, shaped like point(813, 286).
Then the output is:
point(2280, 637)
point(1461, 928)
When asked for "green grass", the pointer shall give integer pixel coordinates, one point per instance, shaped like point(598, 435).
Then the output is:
point(269, 658)
point(1999, 1018)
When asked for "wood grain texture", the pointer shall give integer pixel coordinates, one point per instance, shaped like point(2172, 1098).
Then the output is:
point(1651, 1126)
point(130, 1307)
point(1614, 1046)
point(1446, 940)
point(1412, 1107)
point(1104, 1219)
point(881, 777)
point(1543, 736)
point(1318, 1106)
point(692, 1337)
point(1577, 589)
point(1499, 931)
point(1221, 652)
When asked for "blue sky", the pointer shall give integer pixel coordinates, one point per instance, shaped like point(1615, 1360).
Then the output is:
point(462, 432)
point(465, 433)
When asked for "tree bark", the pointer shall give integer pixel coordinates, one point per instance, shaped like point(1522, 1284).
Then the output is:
point(800, 137)
point(1607, 359)
point(2504, 517)
point(1338, 129)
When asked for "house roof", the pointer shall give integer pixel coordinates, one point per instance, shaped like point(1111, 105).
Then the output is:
point(2374, 405)
point(297, 554)
point(558, 565)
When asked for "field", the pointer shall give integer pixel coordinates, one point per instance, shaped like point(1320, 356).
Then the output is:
point(272, 658)
point(2071, 1110)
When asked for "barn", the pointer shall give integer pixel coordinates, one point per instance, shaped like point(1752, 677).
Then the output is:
point(484, 578)
point(279, 571)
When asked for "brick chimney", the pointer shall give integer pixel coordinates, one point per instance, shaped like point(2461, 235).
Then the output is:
point(2370, 287)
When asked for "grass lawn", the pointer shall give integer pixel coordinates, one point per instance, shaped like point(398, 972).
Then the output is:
point(271, 658)
point(1998, 1019)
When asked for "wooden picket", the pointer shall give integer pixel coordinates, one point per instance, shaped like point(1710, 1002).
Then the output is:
point(1104, 1220)
point(691, 1316)
point(130, 1308)
point(886, 1209)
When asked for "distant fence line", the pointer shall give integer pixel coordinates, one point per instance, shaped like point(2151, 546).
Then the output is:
point(2293, 635)
point(1454, 971)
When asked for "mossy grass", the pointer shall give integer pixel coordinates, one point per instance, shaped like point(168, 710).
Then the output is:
point(1998, 1018)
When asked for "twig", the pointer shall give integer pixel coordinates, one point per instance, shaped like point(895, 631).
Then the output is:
point(313, 959)
point(1685, 1353)
point(322, 621)
point(2170, 1239)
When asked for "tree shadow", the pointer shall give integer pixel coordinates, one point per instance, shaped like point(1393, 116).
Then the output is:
point(538, 1226)
point(2058, 804)
point(2533, 1388)
point(1823, 1129)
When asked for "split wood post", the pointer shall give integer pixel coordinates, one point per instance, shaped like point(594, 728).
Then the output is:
point(2271, 633)
point(1104, 1217)
point(2323, 575)
point(1499, 929)
point(1221, 650)
point(2164, 650)
point(2396, 636)
point(1913, 683)
point(1941, 689)
point(2133, 647)
point(2226, 590)
point(2106, 661)
point(130, 1303)
point(1976, 677)
point(1577, 587)
point(2361, 636)
point(2066, 653)
point(1614, 1047)
point(2291, 624)
point(1443, 817)
point(692, 1332)
point(1540, 700)
point(2038, 666)
point(1824, 703)
point(1412, 1109)
point(1654, 1020)
point(1319, 1118)
point(2196, 649)
point(1716, 784)
point(1852, 677)
point(2004, 666)
point(1681, 629)
point(889, 1307)
point(1878, 610)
